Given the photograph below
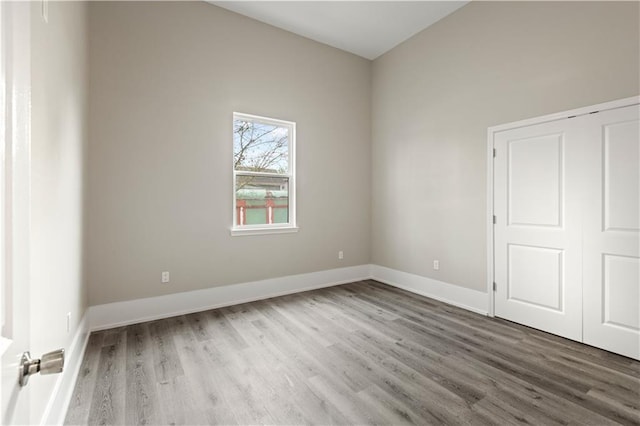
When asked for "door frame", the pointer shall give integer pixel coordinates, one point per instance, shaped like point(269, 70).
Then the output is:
point(491, 131)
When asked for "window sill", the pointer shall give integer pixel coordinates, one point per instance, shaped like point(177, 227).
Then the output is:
point(237, 232)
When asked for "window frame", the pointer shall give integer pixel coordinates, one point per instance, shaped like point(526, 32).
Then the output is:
point(273, 228)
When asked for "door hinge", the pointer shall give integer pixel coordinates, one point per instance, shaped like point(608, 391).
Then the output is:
point(495, 220)
point(494, 286)
point(494, 153)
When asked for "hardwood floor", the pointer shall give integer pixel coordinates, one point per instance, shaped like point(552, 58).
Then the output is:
point(361, 353)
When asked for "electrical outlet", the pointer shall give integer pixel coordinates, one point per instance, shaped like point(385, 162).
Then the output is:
point(68, 322)
point(165, 277)
point(436, 265)
point(340, 255)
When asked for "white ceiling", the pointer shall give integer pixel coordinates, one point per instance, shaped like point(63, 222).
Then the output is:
point(366, 28)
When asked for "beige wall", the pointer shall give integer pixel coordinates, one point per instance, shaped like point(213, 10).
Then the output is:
point(435, 95)
point(165, 80)
point(58, 141)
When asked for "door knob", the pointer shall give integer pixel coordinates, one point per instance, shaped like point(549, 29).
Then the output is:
point(50, 363)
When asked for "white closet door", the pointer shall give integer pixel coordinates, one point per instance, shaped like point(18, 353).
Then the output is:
point(537, 235)
point(611, 254)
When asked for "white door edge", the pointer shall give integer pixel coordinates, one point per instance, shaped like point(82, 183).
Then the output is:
point(16, 39)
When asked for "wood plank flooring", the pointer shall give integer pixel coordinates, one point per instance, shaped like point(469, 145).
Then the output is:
point(360, 353)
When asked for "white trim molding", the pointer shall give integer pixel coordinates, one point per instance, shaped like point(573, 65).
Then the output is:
point(117, 314)
point(263, 231)
point(491, 131)
point(140, 310)
point(110, 315)
point(58, 404)
point(462, 297)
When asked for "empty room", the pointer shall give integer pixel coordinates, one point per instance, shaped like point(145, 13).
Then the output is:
point(320, 212)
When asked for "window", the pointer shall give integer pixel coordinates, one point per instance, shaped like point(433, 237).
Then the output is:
point(263, 175)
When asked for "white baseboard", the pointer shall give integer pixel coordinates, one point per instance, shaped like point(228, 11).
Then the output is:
point(56, 409)
point(462, 297)
point(117, 314)
point(139, 310)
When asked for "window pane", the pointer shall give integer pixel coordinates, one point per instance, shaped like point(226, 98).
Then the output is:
point(261, 200)
point(260, 147)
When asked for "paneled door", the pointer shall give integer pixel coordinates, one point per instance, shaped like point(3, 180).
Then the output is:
point(611, 255)
point(538, 173)
point(566, 233)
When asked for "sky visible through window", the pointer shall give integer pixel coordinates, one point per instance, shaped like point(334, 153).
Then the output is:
point(260, 147)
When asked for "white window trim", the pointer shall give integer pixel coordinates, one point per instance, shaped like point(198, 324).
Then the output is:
point(261, 230)
point(276, 228)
